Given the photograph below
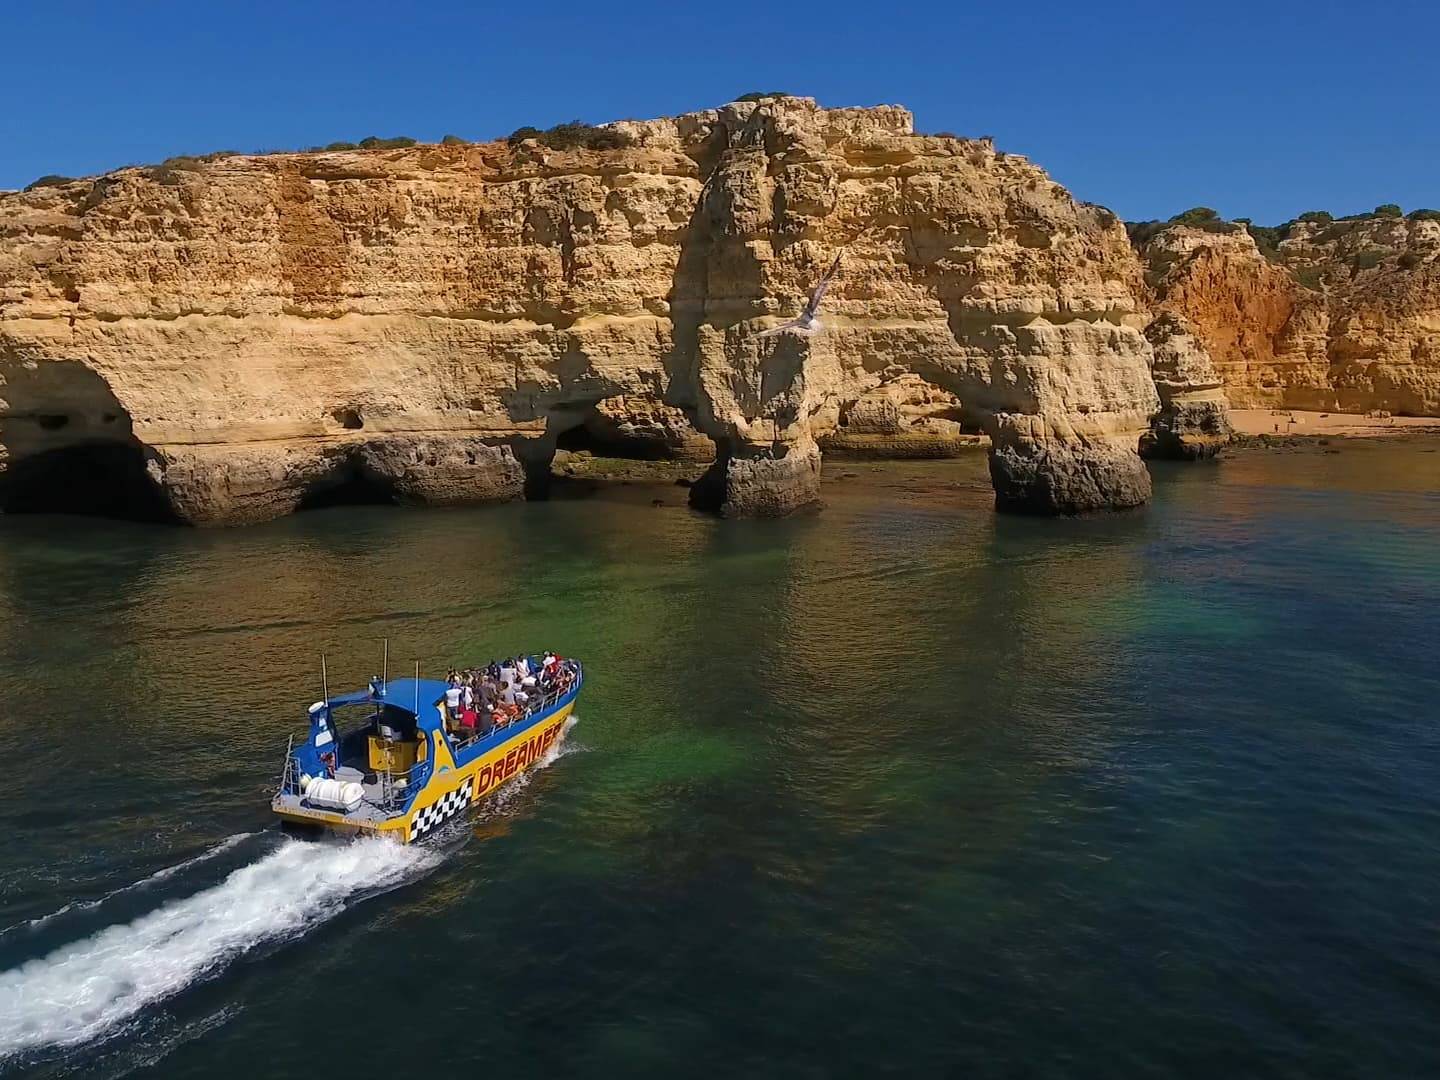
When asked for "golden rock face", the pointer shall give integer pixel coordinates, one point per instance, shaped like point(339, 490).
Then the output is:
point(431, 318)
point(1344, 317)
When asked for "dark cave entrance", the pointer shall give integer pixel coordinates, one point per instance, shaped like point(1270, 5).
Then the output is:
point(583, 438)
point(95, 479)
point(351, 486)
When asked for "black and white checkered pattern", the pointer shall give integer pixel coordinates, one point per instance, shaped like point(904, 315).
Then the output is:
point(440, 811)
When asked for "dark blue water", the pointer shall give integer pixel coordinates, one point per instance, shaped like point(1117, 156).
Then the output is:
point(902, 788)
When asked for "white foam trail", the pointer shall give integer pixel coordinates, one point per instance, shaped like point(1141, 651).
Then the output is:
point(85, 989)
point(159, 875)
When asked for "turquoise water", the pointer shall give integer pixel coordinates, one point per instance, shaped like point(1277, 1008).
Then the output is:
point(904, 787)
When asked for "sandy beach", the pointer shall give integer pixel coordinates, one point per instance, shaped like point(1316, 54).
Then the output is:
point(1348, 425)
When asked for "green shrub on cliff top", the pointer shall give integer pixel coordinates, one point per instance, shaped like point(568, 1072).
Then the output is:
point(576, 134)
point(759, 95)
point(453, 140)
point(374, 142)
point(1384, 210)
point(1318, 217)
point(1424, 215)
point(1142, 232)
point(1197, 216)
point(49, 180)
point(169, 170)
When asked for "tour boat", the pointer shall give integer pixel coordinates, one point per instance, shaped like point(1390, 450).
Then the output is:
point(398, 770)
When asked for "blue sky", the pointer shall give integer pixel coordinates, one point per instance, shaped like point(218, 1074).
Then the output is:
point(1260, 109)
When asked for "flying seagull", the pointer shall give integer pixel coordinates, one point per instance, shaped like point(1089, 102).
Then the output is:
point(808, 322)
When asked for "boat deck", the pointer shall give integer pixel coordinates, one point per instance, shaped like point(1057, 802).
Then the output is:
point(364, 814)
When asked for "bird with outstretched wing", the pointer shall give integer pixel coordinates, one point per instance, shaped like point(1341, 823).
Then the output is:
point(807, 322)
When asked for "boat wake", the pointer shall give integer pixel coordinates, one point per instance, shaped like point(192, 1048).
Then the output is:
point(151, 880)
point(90, 988)
point(95, 987)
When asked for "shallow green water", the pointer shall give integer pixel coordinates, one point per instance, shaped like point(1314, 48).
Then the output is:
point(904, 787)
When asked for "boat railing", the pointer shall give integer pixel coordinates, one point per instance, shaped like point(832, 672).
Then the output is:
point(288, 781)
point(549, 700)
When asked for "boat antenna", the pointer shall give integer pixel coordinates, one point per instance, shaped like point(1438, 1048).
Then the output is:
point(417, 689)
point(385, 666)
point(324, 680)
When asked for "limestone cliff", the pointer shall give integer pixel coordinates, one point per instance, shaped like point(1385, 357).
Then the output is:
point(1341, 316)
point(251, 333)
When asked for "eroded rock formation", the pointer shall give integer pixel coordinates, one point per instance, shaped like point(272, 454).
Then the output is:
point(1344, 316)
point(903, 417)
point(428, 322)
point(1193, 420)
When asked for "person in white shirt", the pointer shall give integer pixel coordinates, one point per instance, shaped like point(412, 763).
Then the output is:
point(452, 701)
point(507, 692)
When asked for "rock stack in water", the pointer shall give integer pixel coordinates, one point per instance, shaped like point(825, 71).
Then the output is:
point(248, 335)
point(1193, 421)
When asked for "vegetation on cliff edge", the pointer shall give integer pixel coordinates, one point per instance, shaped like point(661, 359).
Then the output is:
point(575, 135)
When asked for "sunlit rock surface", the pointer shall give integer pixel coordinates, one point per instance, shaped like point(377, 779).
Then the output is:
point(1344, 317)
point(425, 324)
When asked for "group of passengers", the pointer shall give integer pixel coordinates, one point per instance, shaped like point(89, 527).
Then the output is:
point(478, 700)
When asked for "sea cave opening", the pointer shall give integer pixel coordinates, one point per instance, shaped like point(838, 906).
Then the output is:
point(583, 438)
point(351, 486)
point(95, 479)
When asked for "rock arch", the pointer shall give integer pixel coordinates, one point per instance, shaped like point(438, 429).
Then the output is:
point(431, 324)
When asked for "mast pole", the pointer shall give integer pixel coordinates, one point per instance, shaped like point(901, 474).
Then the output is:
point(385, 665)
point(324, 679)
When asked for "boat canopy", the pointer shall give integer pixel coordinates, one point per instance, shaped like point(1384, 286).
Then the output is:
point(418, 697)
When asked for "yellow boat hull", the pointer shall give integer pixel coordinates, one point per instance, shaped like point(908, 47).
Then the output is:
point(452, 788)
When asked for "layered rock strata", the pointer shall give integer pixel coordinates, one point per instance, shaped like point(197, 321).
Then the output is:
point(429, 322)
point(1342, 316)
